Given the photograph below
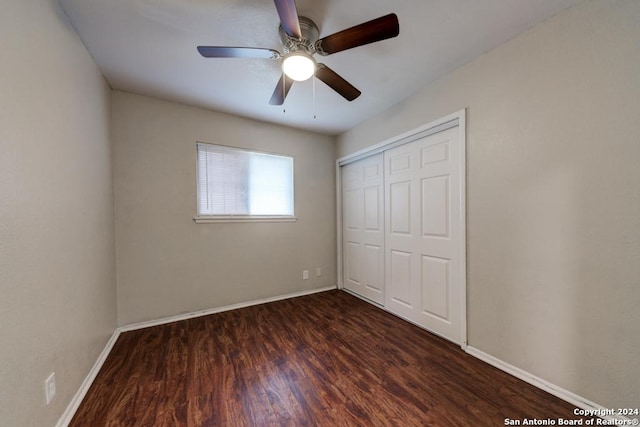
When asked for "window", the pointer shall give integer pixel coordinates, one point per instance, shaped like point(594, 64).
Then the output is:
point(236, 184)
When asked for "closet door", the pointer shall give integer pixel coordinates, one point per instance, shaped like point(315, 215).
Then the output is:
point(363, 227)
point(423, 232)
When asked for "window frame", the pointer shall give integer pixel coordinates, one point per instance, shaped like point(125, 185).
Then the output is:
point(203, 219)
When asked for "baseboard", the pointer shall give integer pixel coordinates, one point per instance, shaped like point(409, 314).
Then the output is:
point(566, 395)
point(73, 406)
point(185, 316)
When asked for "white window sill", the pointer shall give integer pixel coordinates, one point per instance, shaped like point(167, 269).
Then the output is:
point(239, 218)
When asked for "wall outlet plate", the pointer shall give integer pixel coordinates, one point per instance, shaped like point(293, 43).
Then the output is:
point(305, 274)
point(50, 387)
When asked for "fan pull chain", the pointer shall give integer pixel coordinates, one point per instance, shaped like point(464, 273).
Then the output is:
point(284, 93)
point(314, 95)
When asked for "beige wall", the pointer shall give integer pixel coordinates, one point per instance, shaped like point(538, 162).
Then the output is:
point(167, 264)
point(57, 281)
point(553, 196)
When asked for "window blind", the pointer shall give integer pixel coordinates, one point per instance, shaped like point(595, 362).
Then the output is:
point(233, 181)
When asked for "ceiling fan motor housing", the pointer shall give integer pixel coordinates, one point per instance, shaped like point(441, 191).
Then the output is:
point(306, 43)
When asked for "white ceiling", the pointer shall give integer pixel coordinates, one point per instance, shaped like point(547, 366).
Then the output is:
point(149, 47)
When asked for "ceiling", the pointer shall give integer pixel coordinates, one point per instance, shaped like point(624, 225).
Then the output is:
point(149, 47)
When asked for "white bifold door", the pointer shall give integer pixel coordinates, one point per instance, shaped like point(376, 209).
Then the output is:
point(402, 231)
point(363, 227)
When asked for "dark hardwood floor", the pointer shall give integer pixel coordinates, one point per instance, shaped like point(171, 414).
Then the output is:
point(327, 359)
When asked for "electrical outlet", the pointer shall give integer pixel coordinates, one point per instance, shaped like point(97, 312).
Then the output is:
point(50, 387)
point(318, 272)
point(305, 274)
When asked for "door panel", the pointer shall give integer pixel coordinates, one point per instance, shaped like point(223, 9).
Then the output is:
point(435, 206)
point(374, 263)
point(435, 153)
point(373, 208)
point(435, 287)
point(352, 263)
point(400, 285)
point(422, 181)
point(363, 227)
point(400, 212)
point(399, 162)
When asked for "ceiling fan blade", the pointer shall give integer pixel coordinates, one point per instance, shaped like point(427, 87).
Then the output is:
point(337, 83)
point(289, 17)
point(238, 52)
point(372, 31)
point(279, 94)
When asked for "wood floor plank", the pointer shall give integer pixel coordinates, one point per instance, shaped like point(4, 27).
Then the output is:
point(320, 360)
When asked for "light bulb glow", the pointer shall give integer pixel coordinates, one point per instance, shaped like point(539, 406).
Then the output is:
point(299, 66)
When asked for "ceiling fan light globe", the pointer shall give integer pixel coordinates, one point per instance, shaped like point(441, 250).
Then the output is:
point(299, 66)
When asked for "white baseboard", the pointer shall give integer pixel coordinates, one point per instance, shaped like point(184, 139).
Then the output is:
point(73, 406)
point(185, 316)
point(566, 395)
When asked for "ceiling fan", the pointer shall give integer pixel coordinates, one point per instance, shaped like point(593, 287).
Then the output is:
point(300, 41)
